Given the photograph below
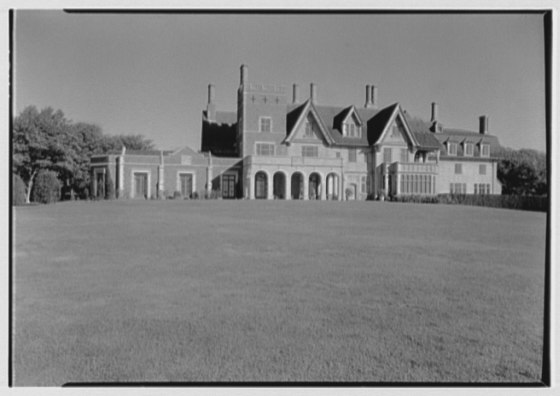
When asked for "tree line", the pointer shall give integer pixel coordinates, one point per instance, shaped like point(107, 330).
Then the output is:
point(47, 141)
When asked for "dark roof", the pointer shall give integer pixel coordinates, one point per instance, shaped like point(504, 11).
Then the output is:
point(427, 140)
point(331, 114)
point(376, 125)
point(222, 117)
point(141, 152)
point(292, 115)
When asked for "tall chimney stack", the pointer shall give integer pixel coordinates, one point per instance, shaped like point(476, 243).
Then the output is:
point(244, 74)
point(483, 125)
point(211, 93)
point(313, 93)
point(368, 98)
point(373, 97)
point(434, 112)
point(295, 98)
point(211, 107)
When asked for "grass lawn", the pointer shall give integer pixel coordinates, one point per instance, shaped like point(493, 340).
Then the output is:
point(276, 291)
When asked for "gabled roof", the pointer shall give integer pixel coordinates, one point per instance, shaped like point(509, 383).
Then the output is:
point(385, 119)
point(302, 113)
point(341, 117)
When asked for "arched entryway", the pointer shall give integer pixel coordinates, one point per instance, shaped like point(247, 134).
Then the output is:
point(279, 185)
point(261, 185)
point(314, 186)
point(297, 186)
point(333, 187)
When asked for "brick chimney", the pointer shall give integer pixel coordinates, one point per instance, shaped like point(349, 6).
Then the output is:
point(373, 97)
point(211, 106)
point(483, 125)
point(368, 98)
point(435, 124)
point(313, 93)
point(244, 74)
point(295, 97)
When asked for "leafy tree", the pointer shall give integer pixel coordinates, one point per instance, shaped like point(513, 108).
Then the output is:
point(41, 140)
point(522, 172)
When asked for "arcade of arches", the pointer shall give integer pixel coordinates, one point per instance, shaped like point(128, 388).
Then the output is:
point(280, 185)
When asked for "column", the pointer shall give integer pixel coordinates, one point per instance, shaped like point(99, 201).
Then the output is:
point(305, 187)
point(251, 184)
point(323, 187)
point(269, 186)
point(121, 177)
point(398, 181)
point(288, 188)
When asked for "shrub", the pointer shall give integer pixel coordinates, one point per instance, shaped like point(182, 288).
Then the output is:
point(177, 195)
point(46, 188)
point(18, 190)
point(415, 198)
point(521, 202)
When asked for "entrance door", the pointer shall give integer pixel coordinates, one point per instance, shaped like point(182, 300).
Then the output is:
point(141, 185)
point(100, 184)
point(186, 184)
point(228, 186)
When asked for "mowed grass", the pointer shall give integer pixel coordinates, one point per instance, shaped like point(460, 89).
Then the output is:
point(276, 291)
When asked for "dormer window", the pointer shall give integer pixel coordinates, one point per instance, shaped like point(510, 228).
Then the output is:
point(485, 150)
point(451, 148)
point(310, 127)
point(350, 129)
point(351, 125)
point(468, 149)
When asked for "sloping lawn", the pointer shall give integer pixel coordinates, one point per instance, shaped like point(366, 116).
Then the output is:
point(276, 291)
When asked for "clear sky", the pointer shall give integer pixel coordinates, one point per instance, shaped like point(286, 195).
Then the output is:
point(148, 73)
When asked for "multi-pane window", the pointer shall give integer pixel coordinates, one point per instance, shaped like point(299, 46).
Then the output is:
point(468, 149)
point(404, 156)
point(458, 169)
point(309, 151)
point(415, 184)
point(484, 150)
point(458, 188)
point(351, 130)
point(265, 124)
point(265, 149)
point(352, 155)
point(451, 148)
point(482, 188)
point(482, 169)
point(309, 128)
point(387, 155)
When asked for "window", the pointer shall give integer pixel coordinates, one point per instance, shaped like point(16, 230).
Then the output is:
point(404, 156)
point(458, 169)
point(309, 151)
point(338, 154)
point(265, 124)
point(458, 188)
point(265, 149)
point(309, 128)
point(482, 188)
point(484, 150)
point(482, 169)
point(387, 155)
point(352, 155)
point(451, 148)
point(468, 149)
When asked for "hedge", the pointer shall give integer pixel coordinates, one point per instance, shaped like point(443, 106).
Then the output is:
point(18, 190)
point(520, 202)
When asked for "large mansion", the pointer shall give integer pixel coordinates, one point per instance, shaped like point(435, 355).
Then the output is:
point(280, 145)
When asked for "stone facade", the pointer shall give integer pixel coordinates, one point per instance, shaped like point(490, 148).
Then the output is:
point(276, 146)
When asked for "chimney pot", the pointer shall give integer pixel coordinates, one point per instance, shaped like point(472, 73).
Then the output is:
point(295, 98)
point(368, 99)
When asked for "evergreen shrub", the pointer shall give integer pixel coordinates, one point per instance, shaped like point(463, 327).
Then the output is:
point(46, 188)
